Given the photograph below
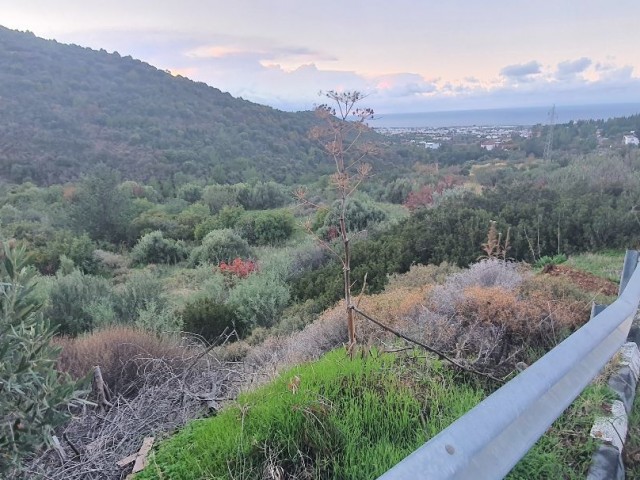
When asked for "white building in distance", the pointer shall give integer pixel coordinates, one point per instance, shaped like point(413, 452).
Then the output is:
point(631, 139)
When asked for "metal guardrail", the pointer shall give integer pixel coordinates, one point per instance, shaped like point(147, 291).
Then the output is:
point(490, 439)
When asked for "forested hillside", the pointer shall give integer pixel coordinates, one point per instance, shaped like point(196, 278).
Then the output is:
point(64, 108)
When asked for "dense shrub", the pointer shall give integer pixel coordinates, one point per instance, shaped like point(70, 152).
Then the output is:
point(110, 263)
point(296, 317)
point(220, 246)
point(158, 318)
point(262, 195)
point(136, 295)
point(260, 299)
point(191, 217)
point(360, 214)
point(375, 258)
point(210, 319)
point(79, 249)
point(216, 197)
point(156, 219)
point(154, 248)
point(74, 300)
point(398, 190)
point(228, 217)
point(33, 395)
point(266, 228)
point(307, 257)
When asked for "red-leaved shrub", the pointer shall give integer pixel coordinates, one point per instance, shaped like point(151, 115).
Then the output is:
point(238, 267)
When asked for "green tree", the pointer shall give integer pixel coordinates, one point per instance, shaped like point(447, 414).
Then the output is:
point(191, 192)
point(100, 208)
point(33, 395)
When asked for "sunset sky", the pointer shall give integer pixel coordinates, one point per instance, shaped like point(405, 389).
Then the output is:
point(410, 56)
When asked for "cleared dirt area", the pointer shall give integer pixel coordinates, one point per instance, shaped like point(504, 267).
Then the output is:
point(584, 280)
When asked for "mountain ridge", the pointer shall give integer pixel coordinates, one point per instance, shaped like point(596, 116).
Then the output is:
point(65, 108)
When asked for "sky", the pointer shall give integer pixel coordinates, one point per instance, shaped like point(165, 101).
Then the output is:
point(406, 55)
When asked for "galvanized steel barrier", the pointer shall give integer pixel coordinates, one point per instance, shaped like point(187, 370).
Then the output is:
point(490, 439)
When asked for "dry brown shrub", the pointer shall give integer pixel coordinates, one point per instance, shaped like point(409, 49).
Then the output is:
point(233, 352)
point(323, 335)
point(123, 354)
point(489, 304)
point(568, 305)
point(493, 327)
point(398, 308)
point(69, 192)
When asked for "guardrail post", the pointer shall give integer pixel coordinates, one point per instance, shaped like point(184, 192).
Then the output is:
point(629, 266)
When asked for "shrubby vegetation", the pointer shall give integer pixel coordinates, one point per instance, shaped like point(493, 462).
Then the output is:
point(33, 395)
point(211, 240)
point(209, 319)
point(220, 246)
point(154, 248)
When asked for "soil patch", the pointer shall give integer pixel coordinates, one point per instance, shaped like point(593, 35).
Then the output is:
point(584, 280)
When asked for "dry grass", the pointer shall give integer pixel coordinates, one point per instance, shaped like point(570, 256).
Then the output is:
point(173, 384)
point(122, 354)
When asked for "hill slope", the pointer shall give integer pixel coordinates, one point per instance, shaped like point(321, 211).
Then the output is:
point(64, 108)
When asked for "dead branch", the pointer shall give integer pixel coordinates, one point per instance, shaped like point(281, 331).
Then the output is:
point(438, 353)
point(100, 389)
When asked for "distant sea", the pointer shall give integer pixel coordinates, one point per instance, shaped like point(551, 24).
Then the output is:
point(504, 116)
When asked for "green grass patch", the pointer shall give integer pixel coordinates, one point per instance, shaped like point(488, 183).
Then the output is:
point(606, 264)
point(565, 450)
point(332, 419)
point(354, 419)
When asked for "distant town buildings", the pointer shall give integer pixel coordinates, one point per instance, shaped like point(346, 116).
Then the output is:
point(488, 137)
point(430, 145)
point(489, 145)
point(631, 139)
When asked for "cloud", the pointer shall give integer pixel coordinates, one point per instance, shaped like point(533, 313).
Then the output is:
point(615, 74)
point(262, 50)
point(289, 77)
point(402, 85)
point(521, 71)
point(572, 67)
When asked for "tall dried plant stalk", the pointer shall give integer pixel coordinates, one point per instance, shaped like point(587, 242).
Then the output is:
point(340, 134)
